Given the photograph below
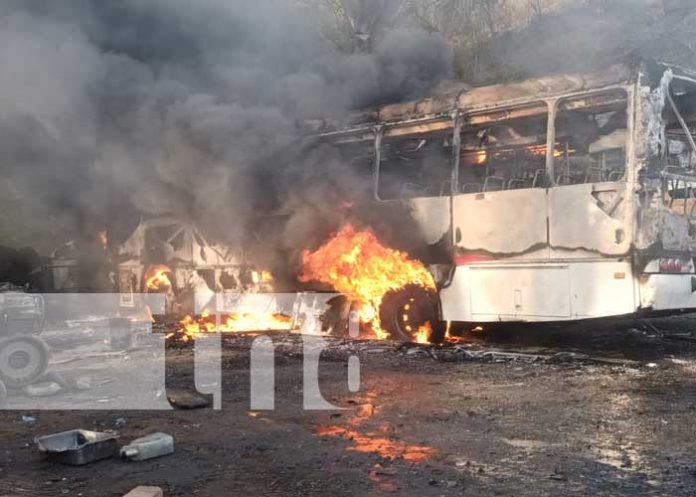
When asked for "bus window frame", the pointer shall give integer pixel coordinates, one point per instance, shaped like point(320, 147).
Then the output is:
point(504, 108)
point(555, 104)
point(381, 130)
point(459, 117)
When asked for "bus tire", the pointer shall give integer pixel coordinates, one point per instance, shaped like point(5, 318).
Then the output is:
point(420, 305)
point(23, 359)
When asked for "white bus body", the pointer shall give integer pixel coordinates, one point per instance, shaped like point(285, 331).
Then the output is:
point(561, 198)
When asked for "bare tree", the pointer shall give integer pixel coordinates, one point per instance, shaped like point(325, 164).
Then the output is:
point(536, 8)
point(358, 25)
point(471, 27)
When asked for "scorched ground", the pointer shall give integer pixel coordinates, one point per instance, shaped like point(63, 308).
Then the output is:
point(427, 422)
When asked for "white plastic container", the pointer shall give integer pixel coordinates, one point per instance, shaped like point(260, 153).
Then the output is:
point(149, 447)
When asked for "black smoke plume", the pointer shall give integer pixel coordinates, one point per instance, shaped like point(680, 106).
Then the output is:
point(115, 109)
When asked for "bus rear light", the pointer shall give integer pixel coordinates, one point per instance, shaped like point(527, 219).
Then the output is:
point(671, 266)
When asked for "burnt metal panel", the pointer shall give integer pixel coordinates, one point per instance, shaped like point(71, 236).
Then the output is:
point(505, 223)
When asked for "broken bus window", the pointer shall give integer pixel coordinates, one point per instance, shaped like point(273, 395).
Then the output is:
point(504, 150)
point(416, 166)
point(679, 157)
point(591, 139)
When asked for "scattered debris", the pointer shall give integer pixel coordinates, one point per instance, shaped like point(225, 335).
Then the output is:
point(149, 447)
point(145, 492)
point(65, 383)
point(27, 419)
point(6, 286)
point(120, 422)
point(53, 383)
point(462, 353)
point(187, 399)
point(43, 389)
point(683, 337)
point(83, 383)
point(416, 351)
point(120, 334)
point(22, 312)
point(77, 447)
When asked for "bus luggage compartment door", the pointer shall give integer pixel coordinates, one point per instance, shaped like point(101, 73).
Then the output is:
point(539, 292)
point(527, 293)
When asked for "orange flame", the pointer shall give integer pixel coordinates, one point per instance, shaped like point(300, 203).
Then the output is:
point(258, 277)
point(235, 323)
point(355, 264)
point(379, 440)
point(157, 278)
point(423, 334)
point(103, 238)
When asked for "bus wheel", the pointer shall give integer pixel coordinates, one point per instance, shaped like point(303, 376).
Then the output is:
point(403, 312)
point(23, 359)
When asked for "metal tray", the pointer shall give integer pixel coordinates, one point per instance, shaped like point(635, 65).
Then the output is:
point(77, 447)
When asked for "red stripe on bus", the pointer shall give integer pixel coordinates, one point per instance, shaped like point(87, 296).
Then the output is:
point(465, 260)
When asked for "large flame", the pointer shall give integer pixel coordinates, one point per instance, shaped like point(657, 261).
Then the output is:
point(357, 265)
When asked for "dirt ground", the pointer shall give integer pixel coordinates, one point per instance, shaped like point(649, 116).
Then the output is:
point(611, 415)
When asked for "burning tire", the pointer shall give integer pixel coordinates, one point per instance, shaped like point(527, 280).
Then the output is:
point(23, 359)
point(406, 311)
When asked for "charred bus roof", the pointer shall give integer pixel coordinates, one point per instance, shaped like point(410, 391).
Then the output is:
point(462, 98)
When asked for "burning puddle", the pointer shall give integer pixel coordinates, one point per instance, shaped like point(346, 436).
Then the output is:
point(374, 441)
point(363, 434)
point(249, 323)
point(380, 445)
point(237, 323)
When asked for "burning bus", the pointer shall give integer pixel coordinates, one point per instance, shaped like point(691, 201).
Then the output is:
point(560, 198)
point(167, 255)
point(197, 277)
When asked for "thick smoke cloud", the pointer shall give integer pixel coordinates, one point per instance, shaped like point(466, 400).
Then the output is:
point(587, 36)
point(112, 109)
